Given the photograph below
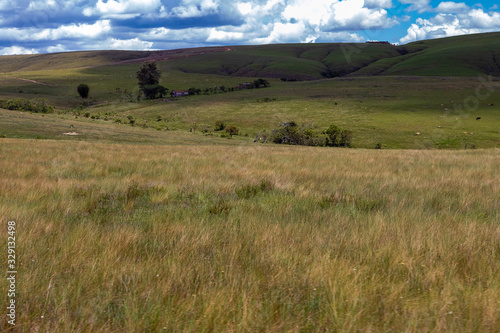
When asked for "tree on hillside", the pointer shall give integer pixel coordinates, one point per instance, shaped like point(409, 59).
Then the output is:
point(83, 90)
point(149, 81)
point(261, 83)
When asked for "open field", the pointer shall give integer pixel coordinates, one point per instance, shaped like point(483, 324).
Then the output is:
point(128, 238)
point(389, 111)
point(385, 110)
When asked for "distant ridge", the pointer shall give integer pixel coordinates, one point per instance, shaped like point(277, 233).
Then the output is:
point(468, 55)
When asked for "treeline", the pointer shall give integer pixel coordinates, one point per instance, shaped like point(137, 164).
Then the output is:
point(292, 133)
point(259, 83)
point(22, 104)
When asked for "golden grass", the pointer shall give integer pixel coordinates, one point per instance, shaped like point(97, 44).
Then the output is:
point(129, 238)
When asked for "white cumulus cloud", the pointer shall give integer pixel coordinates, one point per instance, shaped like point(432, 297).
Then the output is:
point(56, 48)
point(130, 44)
point(446, 25)
point(220, 36)
point(449, 7)
point(122, 9)
point(378, 3)
point(284, 33)
point(16, 50)
point(352, 15)
point(65, 31)
point(195, 8)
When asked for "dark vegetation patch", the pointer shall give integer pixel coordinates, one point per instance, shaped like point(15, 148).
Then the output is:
point(292, 133)
point(22, 104)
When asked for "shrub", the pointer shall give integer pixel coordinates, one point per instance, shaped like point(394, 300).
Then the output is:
point(219, 125)
point(345, 138)
point(293, 134)
point(194, 91)
point(36, 105)
point(287, 133)
point(131, 119)
point(232, 130)
point(83, 90)
point(154, 91)
point(333, 136)
point(261, 83)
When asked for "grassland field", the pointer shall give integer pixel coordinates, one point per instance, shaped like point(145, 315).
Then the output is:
point(389, 111)
point(167, 226)
point(205, 238)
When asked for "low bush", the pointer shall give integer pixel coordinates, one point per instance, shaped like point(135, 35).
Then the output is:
point(131, 119)
point(21, 104)
point(292, 133)
point(219, 125)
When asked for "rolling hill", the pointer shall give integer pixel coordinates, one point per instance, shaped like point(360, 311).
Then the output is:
point(469, 55)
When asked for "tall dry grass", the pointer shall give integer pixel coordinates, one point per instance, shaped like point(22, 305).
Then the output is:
point(118, 238)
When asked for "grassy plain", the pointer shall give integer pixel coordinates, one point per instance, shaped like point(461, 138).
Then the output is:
point(389, 111)
point(128, 238)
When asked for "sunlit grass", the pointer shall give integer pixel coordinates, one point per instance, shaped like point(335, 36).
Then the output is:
point(128, 238)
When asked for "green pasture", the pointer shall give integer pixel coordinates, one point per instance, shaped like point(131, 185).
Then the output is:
point(403, 111)
point(389, 111)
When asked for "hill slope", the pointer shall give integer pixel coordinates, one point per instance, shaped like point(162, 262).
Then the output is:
point(469, 55)
point(455, 56)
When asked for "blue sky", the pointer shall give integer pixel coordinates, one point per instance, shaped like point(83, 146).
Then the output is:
point(42, 26)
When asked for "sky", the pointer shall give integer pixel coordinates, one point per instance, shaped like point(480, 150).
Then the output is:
point(47, 26)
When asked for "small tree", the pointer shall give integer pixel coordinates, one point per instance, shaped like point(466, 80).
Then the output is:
point(149, 78)
point(232, 130)
point(83, 90)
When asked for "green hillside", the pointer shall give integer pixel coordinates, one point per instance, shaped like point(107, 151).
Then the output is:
point(288, 61)
point(469, 55)
point(456, 56)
